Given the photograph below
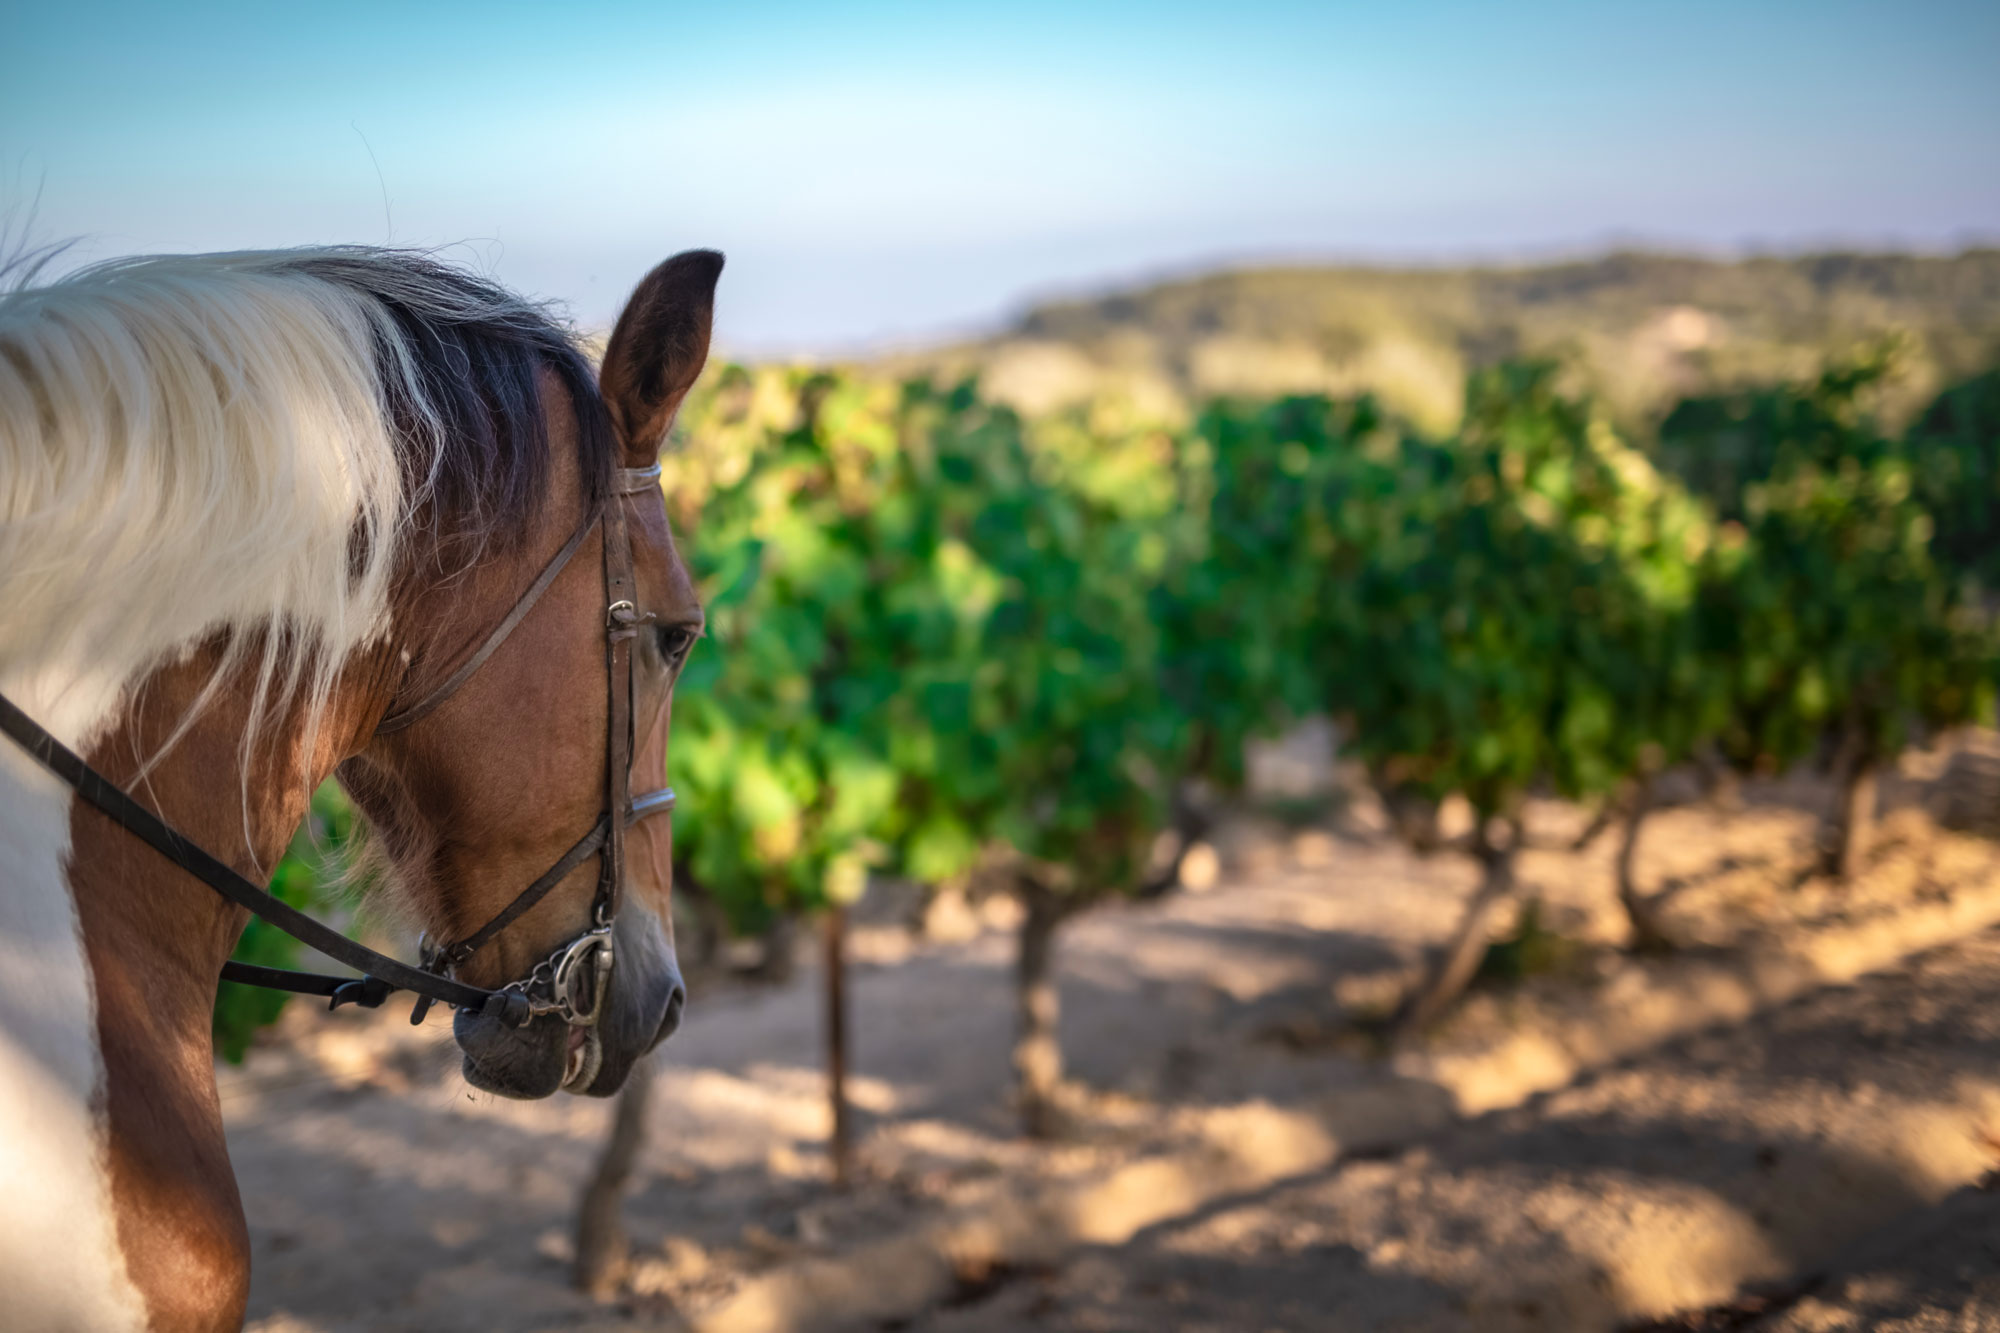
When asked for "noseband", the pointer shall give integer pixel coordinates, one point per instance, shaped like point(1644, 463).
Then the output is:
point(571, 982)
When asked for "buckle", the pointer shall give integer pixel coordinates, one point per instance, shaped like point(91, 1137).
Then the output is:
point(560, 983)
point(638, 480)
point(577, 966)
point(440, 958)
point(367, 992)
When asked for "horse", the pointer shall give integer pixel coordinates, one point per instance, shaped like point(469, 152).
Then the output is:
point(255, 508)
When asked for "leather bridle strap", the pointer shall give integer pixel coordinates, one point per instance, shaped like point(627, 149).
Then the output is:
point(653, 803)
point(622, 619)
point(155, 832)
point(403, 717)
point(369, 992)
point(584, 848)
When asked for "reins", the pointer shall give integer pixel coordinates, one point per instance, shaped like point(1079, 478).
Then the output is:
point(383, 974)
point(572, 981)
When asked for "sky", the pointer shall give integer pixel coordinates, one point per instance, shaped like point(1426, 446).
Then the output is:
point(885, 174)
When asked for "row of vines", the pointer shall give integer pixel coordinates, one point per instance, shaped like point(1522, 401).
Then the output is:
point(948, 644)
point(953, 646)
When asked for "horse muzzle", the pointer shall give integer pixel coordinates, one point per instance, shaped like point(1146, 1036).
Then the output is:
point(595, 1007)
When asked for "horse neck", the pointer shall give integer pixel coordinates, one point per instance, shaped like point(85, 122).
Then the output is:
point(241, 801)
point(154, 939)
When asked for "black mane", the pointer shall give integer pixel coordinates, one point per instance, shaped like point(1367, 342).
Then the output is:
point(475, 440)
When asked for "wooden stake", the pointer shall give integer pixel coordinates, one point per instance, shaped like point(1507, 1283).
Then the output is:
point(841, 1148)
point(601, 1247)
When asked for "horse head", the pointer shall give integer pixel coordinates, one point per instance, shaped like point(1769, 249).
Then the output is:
point(269, 516)
point(492, 781)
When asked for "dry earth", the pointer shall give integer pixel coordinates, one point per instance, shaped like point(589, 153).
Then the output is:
point(1739, 1157)
point(1801, 1142)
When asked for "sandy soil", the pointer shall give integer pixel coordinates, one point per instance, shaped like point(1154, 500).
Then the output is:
point(1935, 1272)
point(383, 1194)
point(1740, 1157)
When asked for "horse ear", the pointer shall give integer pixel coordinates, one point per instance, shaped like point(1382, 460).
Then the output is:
point(658, 349)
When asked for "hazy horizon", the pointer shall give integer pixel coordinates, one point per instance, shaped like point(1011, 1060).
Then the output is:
point(1554, 254)
point(894, 174)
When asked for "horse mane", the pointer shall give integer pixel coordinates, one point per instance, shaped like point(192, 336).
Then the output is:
point(257, 445)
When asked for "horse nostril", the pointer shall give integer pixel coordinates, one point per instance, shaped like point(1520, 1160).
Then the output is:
point(670, 1023)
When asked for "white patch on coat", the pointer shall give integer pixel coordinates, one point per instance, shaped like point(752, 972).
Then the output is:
point(191, 444)
point(60, 1265)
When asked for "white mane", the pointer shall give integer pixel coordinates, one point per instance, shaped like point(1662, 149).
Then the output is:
point(194, 444)
point(187, 445)
point(190, 444)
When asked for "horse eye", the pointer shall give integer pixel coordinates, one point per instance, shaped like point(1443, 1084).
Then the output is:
point(674, 640)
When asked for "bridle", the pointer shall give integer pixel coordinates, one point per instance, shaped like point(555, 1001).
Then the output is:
point(571, 982)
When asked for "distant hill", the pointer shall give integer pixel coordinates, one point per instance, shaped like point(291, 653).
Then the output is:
point(1640, 329)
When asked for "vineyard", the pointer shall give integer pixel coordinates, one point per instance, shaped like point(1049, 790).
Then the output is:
point(948, 644)
point(960, 651)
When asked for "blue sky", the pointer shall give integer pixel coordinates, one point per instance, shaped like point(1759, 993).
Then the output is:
point(895, 171)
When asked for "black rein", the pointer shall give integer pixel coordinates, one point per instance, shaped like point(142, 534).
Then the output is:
point(382, 975)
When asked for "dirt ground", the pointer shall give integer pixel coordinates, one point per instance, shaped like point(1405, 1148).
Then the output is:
point(1736, 1156)
point(1820, 1157)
